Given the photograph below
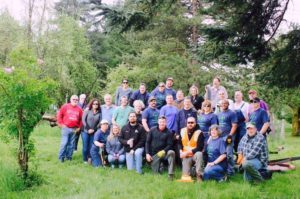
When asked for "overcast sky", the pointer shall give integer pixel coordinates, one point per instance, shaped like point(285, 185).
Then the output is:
point(18, 10)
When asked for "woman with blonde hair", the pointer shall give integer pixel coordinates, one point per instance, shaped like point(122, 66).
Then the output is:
point(196, 99)
point(138, 108)
point(115, 150)
point(206, 118)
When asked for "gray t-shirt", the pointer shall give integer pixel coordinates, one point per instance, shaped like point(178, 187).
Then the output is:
point(121, 92)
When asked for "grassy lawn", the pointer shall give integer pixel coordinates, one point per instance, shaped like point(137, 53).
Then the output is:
point(77, 180)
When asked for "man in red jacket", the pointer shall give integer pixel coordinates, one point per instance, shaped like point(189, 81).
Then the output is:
point(69, 120)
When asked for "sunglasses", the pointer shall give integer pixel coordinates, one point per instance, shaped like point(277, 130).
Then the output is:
point(253, 102)
point(191, 122)
point(125, 82)
point(96, 104)
point(206, 106)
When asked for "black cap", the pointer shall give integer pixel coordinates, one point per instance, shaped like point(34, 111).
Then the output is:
point(255, 100)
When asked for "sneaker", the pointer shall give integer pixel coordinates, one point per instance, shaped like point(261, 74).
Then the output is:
point(85, 162)
point(222, 180)
point(112, 166)
point(120, 166)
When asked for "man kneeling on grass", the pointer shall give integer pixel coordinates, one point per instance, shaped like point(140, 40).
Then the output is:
point(191, 146)
point(158, 147)
point(99, 144)
point(253, 153)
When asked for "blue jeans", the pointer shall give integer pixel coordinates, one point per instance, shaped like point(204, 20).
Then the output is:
point(229, 156)
point(87, 141)
point(215, 172)
point(251, 168)
point(134, 161)
point(96, 159)
point(66, 146)
point(113, 160)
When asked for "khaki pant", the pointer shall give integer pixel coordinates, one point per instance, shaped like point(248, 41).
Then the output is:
point(171, 162)
point(188, 162)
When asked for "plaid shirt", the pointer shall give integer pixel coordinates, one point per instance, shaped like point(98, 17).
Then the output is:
point(254, 147)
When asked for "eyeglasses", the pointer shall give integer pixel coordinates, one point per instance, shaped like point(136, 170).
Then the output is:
point(74, 99)
point(125, 82)
point(191, 122)
point(161, 86)
point(96, 104)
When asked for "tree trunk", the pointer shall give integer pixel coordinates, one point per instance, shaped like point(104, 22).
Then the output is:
point(295, 121)
point(22, 152)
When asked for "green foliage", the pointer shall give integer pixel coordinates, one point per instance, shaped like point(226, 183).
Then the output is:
point(134, 15)
point(282, 68)
point(11, 33)
point(24, 97)
point(22, 92)
point(68, 60)
point(240, 32)
point(22, 57)
point(83, 181)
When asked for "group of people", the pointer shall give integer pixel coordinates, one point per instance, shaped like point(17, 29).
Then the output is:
point(199, 134)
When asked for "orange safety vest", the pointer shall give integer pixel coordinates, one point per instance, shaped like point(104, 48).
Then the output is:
point(187, 144)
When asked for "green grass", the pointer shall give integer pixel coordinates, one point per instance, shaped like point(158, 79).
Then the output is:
point(76, 180)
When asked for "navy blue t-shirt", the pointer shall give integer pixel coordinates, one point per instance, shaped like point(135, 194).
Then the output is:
point(137, 95)
point(151, 115)
point(226, 118)
point(259, 117)
point(215, 148)
point(100, 137)
point(206, 120)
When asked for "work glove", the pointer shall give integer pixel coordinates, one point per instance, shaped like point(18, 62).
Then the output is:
point(240, 158)
point(229, 139)
point(161, 154)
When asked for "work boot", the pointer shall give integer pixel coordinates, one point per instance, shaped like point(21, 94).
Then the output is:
point(199, 178)
point(171, 177)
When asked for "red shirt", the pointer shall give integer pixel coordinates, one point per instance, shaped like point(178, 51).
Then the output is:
point(70, 116)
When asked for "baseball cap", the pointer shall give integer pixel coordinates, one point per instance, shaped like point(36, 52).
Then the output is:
point(170, 78)
point(250, 125)
point(151, 98)
point(255, 100)
point(104, 122)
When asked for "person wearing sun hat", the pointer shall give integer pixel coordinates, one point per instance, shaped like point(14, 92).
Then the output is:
point(253, 154)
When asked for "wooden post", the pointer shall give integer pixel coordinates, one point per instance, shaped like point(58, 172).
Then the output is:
point(295, 121)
